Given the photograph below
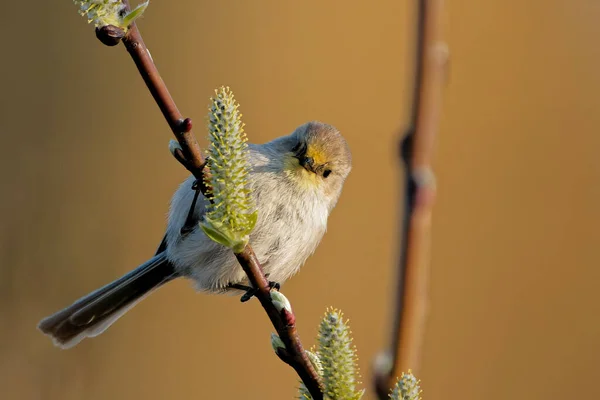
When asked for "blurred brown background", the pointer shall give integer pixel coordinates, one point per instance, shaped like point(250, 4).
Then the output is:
point(86, 179)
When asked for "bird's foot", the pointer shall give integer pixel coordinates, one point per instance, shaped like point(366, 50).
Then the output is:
point(250, 291)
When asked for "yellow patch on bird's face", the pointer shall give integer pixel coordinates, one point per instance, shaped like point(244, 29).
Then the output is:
point(316, 154)
point(296, 172)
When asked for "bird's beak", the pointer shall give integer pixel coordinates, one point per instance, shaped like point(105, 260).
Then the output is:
point(308, 163)
point(308, 159)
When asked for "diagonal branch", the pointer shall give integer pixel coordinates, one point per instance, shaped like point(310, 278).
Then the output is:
point(284, 322)
point(191, 157)
point(416, 152)
point(182, 128)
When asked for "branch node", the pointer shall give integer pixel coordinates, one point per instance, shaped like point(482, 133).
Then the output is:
point(178, 154)
point(110, 35)
point(382, 370)
point(288, 317)
point(406, 145)
point(185, 125)
point(424, 177)
point(283, 355)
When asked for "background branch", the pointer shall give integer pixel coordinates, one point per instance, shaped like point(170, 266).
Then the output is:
point(416, 152)
point(191, 157)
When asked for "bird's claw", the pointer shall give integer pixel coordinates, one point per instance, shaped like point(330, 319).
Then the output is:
point(248, 295)
point(251, 292)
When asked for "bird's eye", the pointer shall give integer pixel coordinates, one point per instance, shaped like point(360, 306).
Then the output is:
point(326, 173)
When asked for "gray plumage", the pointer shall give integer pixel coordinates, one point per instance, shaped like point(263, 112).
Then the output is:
point(296, 181)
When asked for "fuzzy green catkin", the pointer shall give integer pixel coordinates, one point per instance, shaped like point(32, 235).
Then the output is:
point(338, 358)
point(407, 388)
point(231, 216)
point(109, 12)
point(313, 356)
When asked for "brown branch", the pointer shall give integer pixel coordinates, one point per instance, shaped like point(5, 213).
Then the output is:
point(416, 152)
point(182, 128)
point(284, 322)
point(191, 157)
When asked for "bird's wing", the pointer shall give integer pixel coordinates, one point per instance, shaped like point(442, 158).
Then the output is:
point(162, 246)
point(183, 201)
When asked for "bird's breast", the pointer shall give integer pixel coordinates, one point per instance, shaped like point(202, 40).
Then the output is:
point(290, 226)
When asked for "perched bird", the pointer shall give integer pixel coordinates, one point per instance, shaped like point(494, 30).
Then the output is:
point(295, 180)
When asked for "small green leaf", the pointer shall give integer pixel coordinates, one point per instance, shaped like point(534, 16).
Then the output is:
point(276, 343)
point(216, 235)
point(240, 244)
point(134, 14)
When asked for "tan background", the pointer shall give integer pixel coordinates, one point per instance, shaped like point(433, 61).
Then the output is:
point(86, 179)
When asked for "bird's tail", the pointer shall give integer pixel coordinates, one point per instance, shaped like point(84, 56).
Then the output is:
point(93, 314)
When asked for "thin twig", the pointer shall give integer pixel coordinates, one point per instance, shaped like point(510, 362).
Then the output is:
point(416, 152)
point(191, 157)
point(284, 322)
point(182, 128)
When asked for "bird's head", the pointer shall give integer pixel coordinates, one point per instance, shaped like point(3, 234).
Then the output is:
point(318, 157)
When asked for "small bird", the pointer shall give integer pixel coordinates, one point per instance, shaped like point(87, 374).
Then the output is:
point(295, 181)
